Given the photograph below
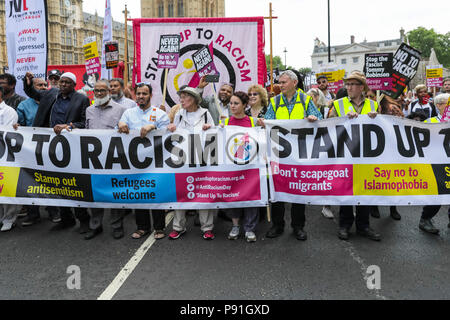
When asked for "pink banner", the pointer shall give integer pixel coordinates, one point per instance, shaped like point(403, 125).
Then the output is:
point(336, 180)
point(209, 187)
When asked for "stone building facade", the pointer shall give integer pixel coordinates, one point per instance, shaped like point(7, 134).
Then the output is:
point(182, 8)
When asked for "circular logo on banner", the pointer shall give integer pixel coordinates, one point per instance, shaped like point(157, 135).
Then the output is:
point(220, 60)
point(241, 148)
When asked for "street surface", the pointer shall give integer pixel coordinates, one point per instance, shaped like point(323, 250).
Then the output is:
point(414, 265)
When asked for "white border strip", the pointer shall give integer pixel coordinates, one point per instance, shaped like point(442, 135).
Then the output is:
point(128, 269)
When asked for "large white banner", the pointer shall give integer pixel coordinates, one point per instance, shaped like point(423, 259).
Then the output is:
point(237, 45)
point(364, 161)
point(26, 39)
point(219, 168)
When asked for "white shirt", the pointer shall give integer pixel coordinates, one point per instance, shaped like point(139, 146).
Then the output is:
point(136, 118)
point(192, 120)
point(8, 116)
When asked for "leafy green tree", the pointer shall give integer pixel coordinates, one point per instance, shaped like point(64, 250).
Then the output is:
point(277, 63)
point(424, 39)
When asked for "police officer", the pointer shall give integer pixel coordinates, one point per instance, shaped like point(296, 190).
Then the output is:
point(291, 104)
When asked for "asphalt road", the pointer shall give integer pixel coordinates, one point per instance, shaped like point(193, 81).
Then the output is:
point(414, 265)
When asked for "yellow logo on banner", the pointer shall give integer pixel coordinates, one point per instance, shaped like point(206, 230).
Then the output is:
point(9, 177)
point(333, 76)
point(394, 180)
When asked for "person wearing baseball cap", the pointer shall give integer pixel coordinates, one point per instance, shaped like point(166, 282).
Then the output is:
point(351, 106)
point(322, 81)
point(53, 77)
point(61, 109)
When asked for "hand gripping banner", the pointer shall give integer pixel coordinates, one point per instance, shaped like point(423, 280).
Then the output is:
point(218, 168)
point(382, 161)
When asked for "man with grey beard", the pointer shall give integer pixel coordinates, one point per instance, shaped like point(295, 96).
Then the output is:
point(105, 114)
point(116, 89)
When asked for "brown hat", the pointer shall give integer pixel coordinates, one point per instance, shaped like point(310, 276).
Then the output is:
point(358, 76)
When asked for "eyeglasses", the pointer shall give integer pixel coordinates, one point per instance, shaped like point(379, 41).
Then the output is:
point(100, 90)
point(353, 84)
point(253, 94)
point(320, 82)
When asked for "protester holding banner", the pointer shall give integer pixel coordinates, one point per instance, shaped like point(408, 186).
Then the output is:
point(146, 118)
point(258, 101)
point(26, 110)
point(219, 110)
point(250, 215)
point(191, 116)
point(62, 109)
point(117, 94)
point(422, 103)
point(105, 114)
point(291, 104)
point(8, 83)
point(352, 106)
point(428, 212)
point(441, 103)
point(8, 212)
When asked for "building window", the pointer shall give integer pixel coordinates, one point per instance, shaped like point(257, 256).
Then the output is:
point(355, 59)
point(170, 8)
point(180, 8)
point(206, 9)
point(343, 61)
point(160, 9)
point(69, 58)
point(319, 62)
point(63, 36)
point(387, 44)
point(69, 37)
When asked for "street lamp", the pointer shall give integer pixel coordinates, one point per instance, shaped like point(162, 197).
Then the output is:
point(285, 63)
point(329, 45)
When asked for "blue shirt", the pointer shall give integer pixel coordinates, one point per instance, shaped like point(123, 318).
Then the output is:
point(136, 118)
point(58, 115)
point(311, 111)
point(26, 110)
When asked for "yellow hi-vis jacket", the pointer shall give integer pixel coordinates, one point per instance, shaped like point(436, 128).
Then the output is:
point(433, 120)
point(344, 106)
point(298, 112)
point(227, 120)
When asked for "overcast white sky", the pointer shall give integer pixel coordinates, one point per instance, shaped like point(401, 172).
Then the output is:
point(301, 21)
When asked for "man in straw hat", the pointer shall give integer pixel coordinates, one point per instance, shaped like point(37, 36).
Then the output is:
point(352, 106)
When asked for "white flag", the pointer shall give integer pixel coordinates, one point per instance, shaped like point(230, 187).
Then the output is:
point(107, 36)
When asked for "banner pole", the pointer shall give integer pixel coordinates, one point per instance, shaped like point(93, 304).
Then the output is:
point(165, 86)
point(125, 72)
point(271, 49)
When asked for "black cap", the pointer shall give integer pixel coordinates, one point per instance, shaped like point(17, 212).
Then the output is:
point(321, 76)
point(54, 72)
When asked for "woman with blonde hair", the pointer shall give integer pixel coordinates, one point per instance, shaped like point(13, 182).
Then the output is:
point(319, 101)
point(258, 101)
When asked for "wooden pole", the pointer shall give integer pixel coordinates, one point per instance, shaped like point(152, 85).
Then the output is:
point(165, 86)
point(271, 17)
point(271, 50)
point(125, 72)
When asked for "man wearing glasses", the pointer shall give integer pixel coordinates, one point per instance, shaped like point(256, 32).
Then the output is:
point(352, 106)
point(105, 114)
point(322, 81)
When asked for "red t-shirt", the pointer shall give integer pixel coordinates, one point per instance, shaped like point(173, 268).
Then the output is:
point(244, 122)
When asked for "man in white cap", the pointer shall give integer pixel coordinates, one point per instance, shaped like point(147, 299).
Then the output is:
point(61, 108)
